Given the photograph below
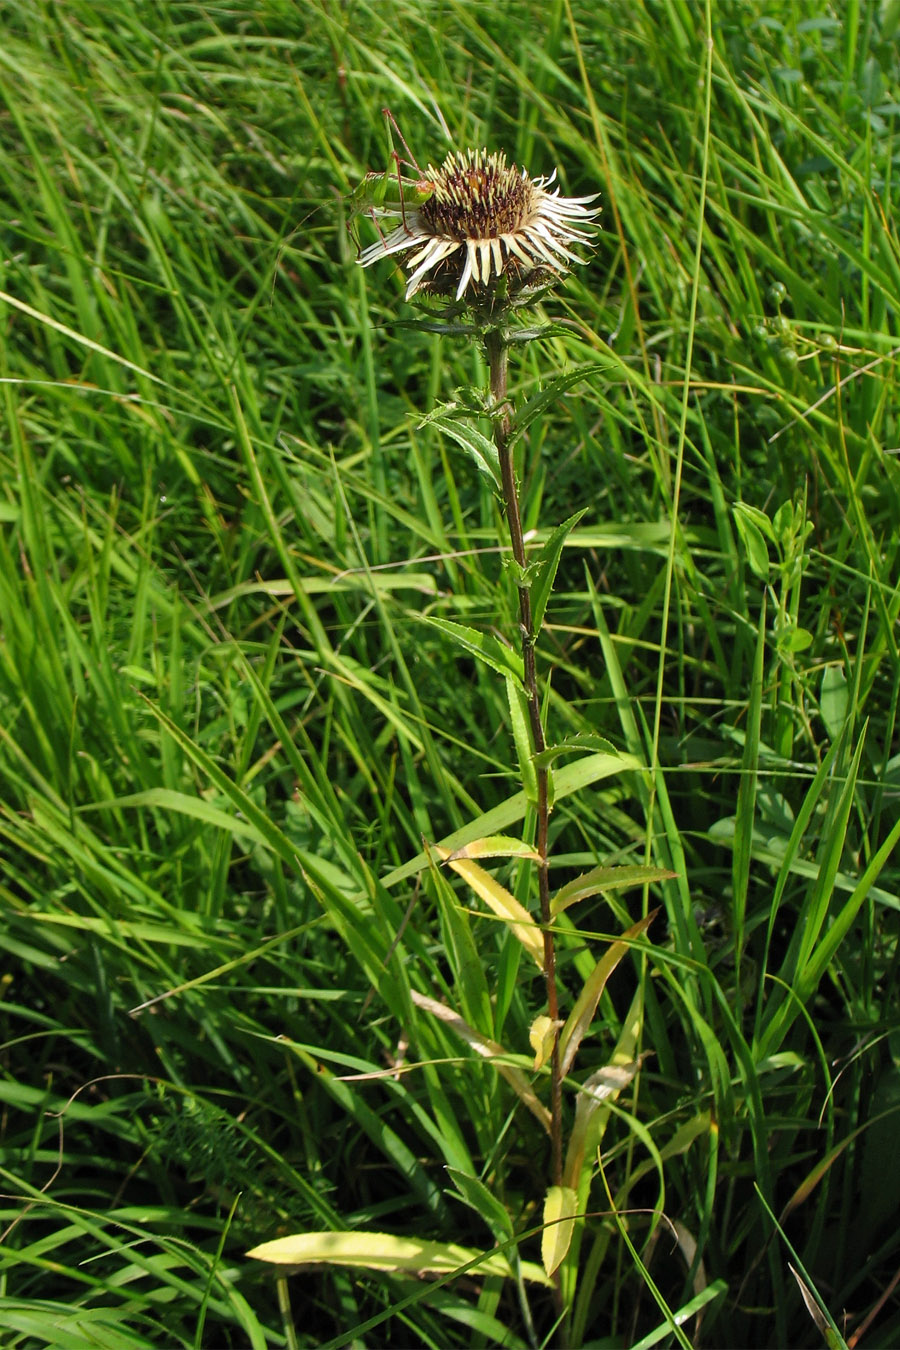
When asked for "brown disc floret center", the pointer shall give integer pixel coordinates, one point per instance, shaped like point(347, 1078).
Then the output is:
point(477, 196)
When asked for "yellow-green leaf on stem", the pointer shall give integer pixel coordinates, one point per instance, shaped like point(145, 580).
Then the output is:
point(495, 846)
point(542, 1036)
point(385, 1251)
point(582, 1014)
point(490, 1050)
point(560, 1206)
point(602, 1087)
point(497, 897)
point(547, 562)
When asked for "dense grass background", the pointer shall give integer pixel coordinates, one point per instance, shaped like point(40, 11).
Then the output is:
point(224, 727)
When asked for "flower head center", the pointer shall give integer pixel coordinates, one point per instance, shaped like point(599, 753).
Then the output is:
point(477, 196)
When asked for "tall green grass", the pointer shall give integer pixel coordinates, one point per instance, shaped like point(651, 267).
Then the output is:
point(225, 729)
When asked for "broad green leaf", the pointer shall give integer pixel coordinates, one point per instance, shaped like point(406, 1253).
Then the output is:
point(546, 562)
point(793, 639)
point(834, 699)
point(582, 1014)
point(757, 518)
point(483, 646)
point(753, 540)
point(560, 1208)
point(600, 879)
point(498, 898)
point(385, 1251)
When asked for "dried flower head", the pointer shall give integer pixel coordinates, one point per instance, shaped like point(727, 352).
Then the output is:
point(484, 219)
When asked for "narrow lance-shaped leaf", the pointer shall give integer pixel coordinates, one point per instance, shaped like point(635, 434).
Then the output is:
point(518, 714)
point(482, 451)
point(385, 1251)
point(521, 924)
point(591, 1110)
point(482, 1200)
point(600, 879)
point(546, 562)
point(753, 540)
point(582, 1015)
point(546, 398)
point(583, 742)
point(483, 646)
point(834, 699)
point(490, 1050)
point(495, 846)
point(560, 1207)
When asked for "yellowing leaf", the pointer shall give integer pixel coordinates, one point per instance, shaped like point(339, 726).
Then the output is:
point(489, 1050)
point(384, 1251)
point(560, 1205)
point(582, 1014)
point(592, 1104)
point(495, 846)
point(542, 1036)
point(498, 898)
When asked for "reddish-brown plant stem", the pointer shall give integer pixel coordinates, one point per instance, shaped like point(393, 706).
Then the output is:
point(497, 354)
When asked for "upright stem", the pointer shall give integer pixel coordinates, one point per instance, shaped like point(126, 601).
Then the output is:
point(497, 354)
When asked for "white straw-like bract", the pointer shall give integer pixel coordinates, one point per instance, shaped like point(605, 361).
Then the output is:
point(484, 220)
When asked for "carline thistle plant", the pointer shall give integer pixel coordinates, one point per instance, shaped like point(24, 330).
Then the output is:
point(491, 239)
